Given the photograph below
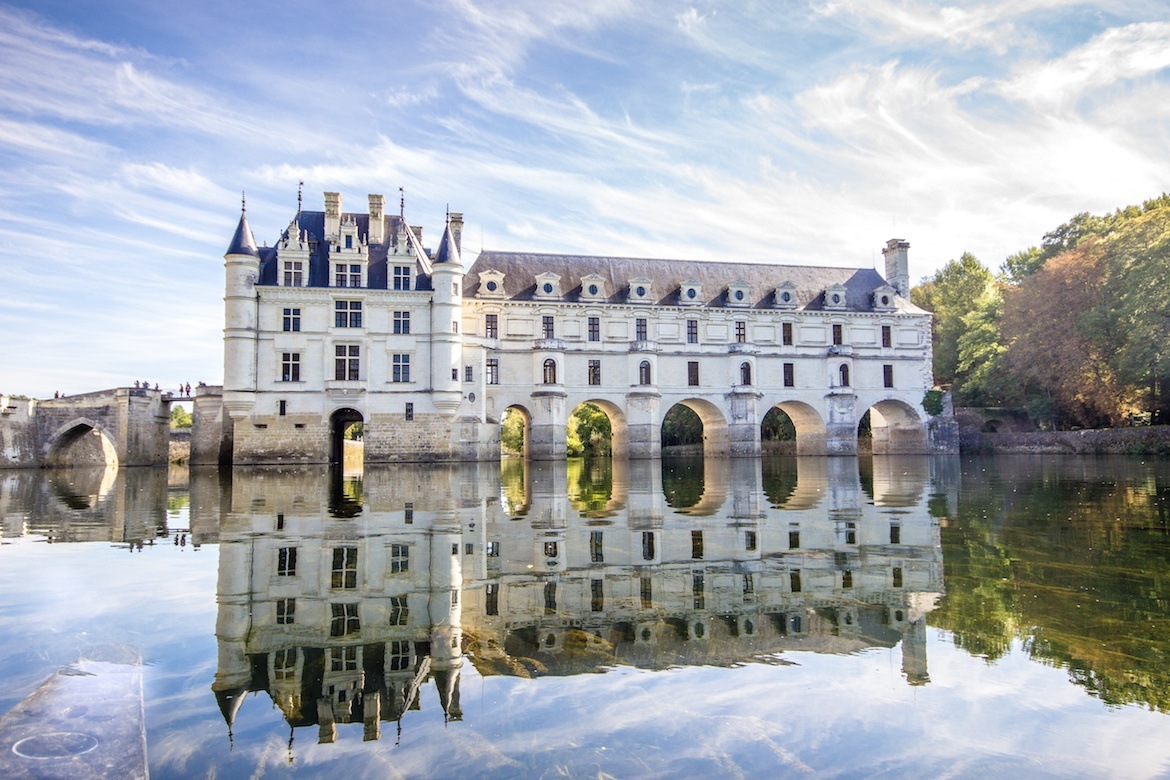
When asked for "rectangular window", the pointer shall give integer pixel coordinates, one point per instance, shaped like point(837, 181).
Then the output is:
point(399, 558)
point(344, 573)
point(793, 538)
point(348, 243)
point(851, 533)
point(286, 612)
point(897, 575)
point(596, 595)
point(290, 367)
point(547, 328)
point(740, 332)
point(286, 562)
point(492, 550)
point(399, 368)
point(838, 334)
point(292, 320)
point(595, 372)
point(492, 371)
point(550, 549)
point(454, 598)
point(596, 552)
point(401, 277)
point(454, 326)
point(399, 611)
point(888, 375)
point(344, 620)
point(846, 579)
point(640, 329)
point(887, 336)
point(355, 276)
point(284, 664)
point(550, 598)
point(749, 541)
point(468, 374)
point(408, 412)
point(794, 581)
point(692, 331)
point(294, 274)
point(697, 545)
point(693, 373)
point(282, 407)
point(347, 314)
point(402, 322)
point(698, 590)
point(346, 362)
point(647, 545)
point(399, 656)
point(339, 274)
point(491, 599)
point(647, 593)
point(491, 326)
point(790, 375)
point(786, 333)
point(343, 659)
point(454, 375)
point(408, 507)
point(895, 534)
point(749, 585)
point(594, 327)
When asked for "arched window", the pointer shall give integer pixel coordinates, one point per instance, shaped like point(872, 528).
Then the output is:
point(745, 373)
point(550, 372)
point(844, 372)
point(644, 372)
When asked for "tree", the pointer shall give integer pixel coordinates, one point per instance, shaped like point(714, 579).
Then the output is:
point(681, 426)
point(981, 349)
point(951, 294)
point(512, 432)
point(180, 418)
point(588, 432)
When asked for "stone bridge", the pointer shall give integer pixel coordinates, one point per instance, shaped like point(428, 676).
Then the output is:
point(119, 427)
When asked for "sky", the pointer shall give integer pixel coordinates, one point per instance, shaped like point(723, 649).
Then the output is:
point(795, 131)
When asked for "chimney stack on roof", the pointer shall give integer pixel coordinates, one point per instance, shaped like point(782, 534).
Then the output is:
point(332, 215)
point(898, 265)
point(455, 218)
point(376, 235)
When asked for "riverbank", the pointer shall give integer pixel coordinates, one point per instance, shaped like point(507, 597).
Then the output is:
point(1111, 441)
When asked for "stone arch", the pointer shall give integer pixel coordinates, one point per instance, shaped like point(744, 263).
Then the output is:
point(339, 421)
point(716, 438)
point(526, 416)
point(617, 424)
point(80, 442)
point(810, 426)
point(897, 428)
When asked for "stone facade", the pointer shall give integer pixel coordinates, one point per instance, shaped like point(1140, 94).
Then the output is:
point(348, 318)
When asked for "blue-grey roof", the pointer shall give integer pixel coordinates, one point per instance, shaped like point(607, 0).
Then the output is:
point(666, 276)
point(448, 249)
point(243, 243)
point(312, 224)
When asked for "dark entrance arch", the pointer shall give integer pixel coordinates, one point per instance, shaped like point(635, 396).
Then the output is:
point(339, 423)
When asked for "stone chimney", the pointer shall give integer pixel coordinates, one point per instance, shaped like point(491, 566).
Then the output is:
point(898, 265)
point(455, 218)
point(417, 230)
point(376, 233)
point(332, 214)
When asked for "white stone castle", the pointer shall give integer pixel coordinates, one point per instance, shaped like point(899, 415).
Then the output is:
point(348, 318)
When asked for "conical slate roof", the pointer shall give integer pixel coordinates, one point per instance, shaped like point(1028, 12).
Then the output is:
point(243, 243)
point(448, 250)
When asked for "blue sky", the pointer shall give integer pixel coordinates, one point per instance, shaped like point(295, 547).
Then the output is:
point(795, 132)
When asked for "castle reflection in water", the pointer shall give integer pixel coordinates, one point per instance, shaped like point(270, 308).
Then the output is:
point(342, 600)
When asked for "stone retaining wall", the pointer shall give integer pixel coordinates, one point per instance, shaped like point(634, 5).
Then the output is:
point(1112, 441)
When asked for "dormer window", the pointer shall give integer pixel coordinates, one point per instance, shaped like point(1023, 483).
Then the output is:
point(548, 286)
point(593, 288)
point(347, 275)
point(690, 293)
point(639, 290)
point(785, 296)
point(738, 294)
point(835, 297)
point(491, 284)
point(883, 298)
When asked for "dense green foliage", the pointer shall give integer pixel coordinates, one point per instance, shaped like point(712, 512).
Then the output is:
point(180, 417)
point(681, 426)
point(589, 432)
point(1075, 330)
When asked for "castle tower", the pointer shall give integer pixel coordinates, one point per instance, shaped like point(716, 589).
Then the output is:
point(242, 261)
point(446, 343)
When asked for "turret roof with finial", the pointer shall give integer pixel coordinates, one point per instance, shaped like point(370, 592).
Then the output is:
point(448, 251)
point(243, 242)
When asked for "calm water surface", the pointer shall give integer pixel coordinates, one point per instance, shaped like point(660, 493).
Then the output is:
point(783, 617)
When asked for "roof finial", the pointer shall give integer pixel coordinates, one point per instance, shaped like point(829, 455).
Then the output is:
point(402, 203)
point(243, 203)
point(300, 188)
point(448, 213)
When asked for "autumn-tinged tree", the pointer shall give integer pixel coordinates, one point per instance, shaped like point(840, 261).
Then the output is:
point(1051, 354)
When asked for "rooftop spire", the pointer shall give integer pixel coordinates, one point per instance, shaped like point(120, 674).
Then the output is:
point(243, 242)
